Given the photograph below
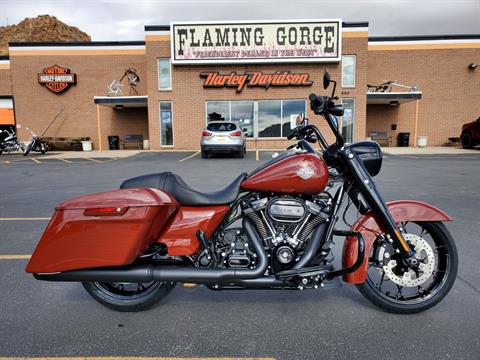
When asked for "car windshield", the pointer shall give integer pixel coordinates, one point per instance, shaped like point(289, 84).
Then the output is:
point(221, 127)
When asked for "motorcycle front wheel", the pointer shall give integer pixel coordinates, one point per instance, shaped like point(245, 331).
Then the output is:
point(398, 289)
point(128, 297)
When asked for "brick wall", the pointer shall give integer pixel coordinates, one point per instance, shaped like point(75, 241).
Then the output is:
point(450, 92)
point(5, 82)
point(36, 106)
point(188, 95)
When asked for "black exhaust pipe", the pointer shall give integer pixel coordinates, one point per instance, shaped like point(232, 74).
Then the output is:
point(147, 273)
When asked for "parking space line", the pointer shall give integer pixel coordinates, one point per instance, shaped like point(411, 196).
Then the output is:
point(95, 160)
point(189, 157)
point(25, 219)
point(65, 160)
point(7, 162)
point(133, 357)
point(35, 160)
point(15, 257)
point(257, 155)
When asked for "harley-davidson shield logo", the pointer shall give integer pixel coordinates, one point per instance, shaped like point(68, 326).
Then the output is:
point(305, 171)
point(57, 78)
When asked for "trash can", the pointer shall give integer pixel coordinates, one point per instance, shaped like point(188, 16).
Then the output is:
point(146, 145)
point(86, 145)
point(404, 139)
point(422, 141)
point(113, 142)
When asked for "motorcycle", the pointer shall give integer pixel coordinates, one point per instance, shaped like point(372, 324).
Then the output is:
point(273, 228)
point(36, 144)
point(9, 142)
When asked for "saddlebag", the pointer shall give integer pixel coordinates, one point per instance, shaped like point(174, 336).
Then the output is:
point(104, 229)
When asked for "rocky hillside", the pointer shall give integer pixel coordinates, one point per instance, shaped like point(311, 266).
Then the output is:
point(40, 28)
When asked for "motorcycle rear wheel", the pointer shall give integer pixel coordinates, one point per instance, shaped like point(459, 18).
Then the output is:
point(413, 299)
point(128, 297)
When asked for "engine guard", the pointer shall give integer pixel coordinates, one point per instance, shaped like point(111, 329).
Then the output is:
point(401, 210)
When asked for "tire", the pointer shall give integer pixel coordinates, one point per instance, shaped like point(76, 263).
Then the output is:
point(436, 230)
point(467, 140)
point(107, 294)
point(240, 154)
point(27, 149)
point(204, 154)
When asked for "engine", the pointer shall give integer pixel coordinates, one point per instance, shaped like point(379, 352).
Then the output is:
point(284, 223)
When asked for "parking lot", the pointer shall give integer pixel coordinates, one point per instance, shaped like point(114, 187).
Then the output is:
point(42, 319)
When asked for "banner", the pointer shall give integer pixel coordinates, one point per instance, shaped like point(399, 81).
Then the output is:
point(256, 42)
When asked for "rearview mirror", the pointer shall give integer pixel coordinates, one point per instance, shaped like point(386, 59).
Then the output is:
point(326, 79)
point(300, 119)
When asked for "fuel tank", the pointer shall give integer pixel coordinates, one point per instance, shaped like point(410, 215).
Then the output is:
point(289, 173)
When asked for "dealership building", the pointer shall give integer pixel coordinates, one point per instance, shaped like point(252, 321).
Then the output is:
point(161, 92)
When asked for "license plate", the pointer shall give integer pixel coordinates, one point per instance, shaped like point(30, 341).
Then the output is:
point(221, 138)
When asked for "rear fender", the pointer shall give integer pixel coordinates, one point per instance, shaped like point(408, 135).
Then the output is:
point(401, 210)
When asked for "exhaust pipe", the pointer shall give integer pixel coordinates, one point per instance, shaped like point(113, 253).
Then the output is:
point(148, 273)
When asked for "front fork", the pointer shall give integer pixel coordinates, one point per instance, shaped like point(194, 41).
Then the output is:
point(367, 188)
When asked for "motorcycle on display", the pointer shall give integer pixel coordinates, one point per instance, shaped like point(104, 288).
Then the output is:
point(273, 228)
point(36, 144)
point(9, 142)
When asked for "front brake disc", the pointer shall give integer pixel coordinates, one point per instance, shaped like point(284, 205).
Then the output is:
point(426, 264)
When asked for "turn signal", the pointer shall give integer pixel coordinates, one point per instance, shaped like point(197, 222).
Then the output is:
point(206, 133)
point(236, 133)
point(106, 211)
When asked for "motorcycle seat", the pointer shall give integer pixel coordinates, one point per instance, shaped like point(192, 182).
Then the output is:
point(184, 194)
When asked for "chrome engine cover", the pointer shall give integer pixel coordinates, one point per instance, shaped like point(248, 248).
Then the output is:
point(286, 210)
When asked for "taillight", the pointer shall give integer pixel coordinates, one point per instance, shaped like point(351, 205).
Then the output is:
point(236, 133)
point(206, 133)
point(106, 211)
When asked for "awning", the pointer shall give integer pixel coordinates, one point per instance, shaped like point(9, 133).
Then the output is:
point(120, 102)
point(392, 98)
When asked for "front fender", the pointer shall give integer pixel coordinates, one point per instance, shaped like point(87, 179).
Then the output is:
point(401, 210)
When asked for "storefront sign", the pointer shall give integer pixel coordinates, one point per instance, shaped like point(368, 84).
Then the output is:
point(254, 78)
point(256, 42)
point(57, 78)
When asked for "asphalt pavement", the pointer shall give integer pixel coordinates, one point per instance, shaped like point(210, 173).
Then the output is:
point(43, 319)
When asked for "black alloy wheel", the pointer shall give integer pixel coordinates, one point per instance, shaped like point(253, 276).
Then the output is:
point(398, 289)
point(128, 297)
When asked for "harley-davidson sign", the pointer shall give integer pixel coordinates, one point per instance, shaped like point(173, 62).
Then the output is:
point(57, 78)
point(254, 78)
point(256, 42)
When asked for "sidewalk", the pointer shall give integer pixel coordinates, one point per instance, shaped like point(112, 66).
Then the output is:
point(433, 150)
point(90, 154)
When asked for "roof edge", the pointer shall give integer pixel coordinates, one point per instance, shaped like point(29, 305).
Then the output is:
point(157, 27)
point(423, 37)
point(76, 43)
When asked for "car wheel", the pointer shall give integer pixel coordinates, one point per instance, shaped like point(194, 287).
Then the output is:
point(204, 154)
point(467, 140)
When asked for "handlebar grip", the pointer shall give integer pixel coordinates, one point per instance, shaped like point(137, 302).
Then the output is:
point(292, 134)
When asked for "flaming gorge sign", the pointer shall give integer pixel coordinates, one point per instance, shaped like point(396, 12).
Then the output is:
point(252, 42)
point(57, 78)
point(254, 78)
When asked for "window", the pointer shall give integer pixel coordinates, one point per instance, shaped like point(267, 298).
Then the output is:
point(261, 119)
point(348, 119)
point(290, 111)
point(218, 110)
point(348, 70)
point(166, 124)
point(270, 118)
point(164, 74)
point(242, 114)
point(221, 127)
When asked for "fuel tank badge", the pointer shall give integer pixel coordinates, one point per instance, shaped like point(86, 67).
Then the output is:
point(305, 171)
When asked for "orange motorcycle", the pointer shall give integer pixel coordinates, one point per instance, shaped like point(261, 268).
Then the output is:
point(270, 229)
